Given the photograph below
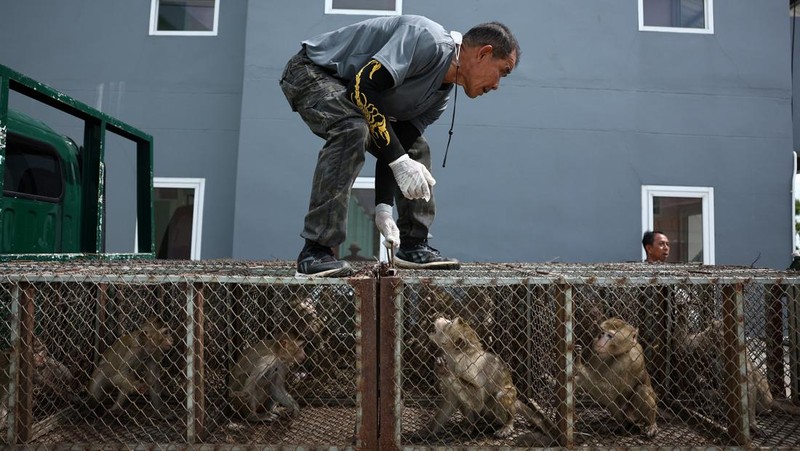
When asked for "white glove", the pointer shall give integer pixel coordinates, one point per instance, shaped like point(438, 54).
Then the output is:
point(385, 223)
point(413, 178)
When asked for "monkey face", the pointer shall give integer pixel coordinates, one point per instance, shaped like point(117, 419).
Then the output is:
point(455, 335)
point(157, 339)
point(616, 337)
point(39, 359)
point(439, 326)
point(602, 341)
point(290, 350)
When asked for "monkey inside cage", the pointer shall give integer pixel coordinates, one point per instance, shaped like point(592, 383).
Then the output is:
point(472, 322)
point(491, 356)
point(289, 353)
point(166, 352)
point(615, 356)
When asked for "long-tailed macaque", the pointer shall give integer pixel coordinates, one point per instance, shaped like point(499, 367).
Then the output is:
point(301, 320)
point(53, 377)
point(614, 375)
point(131, 365)
point(707, 346)
point(49, 374)
point(257, 382)
point(477, 383)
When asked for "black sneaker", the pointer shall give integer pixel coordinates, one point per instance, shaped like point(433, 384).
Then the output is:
point(422, 256)
point(318, 261)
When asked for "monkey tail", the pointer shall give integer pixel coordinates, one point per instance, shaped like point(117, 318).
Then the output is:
point(785, 406)
point(539, 418)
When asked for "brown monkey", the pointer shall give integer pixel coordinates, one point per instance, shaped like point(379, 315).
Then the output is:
point(298, 318)
point(258, 380)
point(49, 374)
point(614, 375)
point(477, 382)
point(130, 365)
point(707, 345)
point(52, 376)
point(302, 320)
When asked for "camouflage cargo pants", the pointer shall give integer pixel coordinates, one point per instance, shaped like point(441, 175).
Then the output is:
point(321, 100)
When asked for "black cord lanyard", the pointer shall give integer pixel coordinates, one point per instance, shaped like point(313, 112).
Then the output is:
point(455, 99)
point(452, 121)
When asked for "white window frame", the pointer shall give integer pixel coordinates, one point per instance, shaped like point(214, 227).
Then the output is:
point(398, 10)
point(199, 187)
point(709, 21)
point(706, 193)
point(369, 183)
point(795, 194)
point(154, 31)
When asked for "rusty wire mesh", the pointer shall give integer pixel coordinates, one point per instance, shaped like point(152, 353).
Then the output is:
point(84, 310)
point(514, 310)
point(214, 310)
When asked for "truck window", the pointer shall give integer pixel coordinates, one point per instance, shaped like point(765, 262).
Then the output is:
point(32, 170)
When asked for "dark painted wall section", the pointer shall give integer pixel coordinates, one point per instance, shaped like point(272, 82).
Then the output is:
point(185, 91)
point(550, 167)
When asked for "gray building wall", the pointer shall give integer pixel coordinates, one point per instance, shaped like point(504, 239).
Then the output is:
point(549, 167)
point(794, 32)
point(185, 91)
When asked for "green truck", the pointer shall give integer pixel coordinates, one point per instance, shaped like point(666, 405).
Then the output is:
point(53, 189)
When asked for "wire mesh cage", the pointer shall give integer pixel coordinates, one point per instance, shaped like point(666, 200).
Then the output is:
point(707, 356)
point(493, 356)
point(157, 352)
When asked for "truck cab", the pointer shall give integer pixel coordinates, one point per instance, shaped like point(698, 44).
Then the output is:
point(41, 200)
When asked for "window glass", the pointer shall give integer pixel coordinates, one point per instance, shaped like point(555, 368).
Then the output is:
point(32, 169)
point(678, 15)
point(681, 219)
point(184, 17)
point(686, 215)
point(174, 210)
point(363, 239)
point(374, 7)
point(178, 217)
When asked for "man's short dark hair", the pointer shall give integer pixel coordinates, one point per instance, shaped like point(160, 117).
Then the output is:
point(495, 34)
point(649, 237)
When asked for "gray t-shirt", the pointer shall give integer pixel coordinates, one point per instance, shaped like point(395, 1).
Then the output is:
point(414, 49)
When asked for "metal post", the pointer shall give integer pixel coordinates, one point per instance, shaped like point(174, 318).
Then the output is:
point(144, 197)
point(13, 369)
point(195, 363)
point(794, 340)
point(24, 407)
point(565, 359)
point(93, 176)
point(389, 355)
point(367, 423)
point(659, 353)
point(4, 86)
point(735, 365)
point(773, 338)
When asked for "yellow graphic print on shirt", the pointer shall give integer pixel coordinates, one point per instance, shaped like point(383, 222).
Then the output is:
point(376, 121)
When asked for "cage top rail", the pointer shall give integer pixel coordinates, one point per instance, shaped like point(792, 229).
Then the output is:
point(253, 271)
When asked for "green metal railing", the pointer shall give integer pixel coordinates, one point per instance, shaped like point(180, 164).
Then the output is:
point(96, 124)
